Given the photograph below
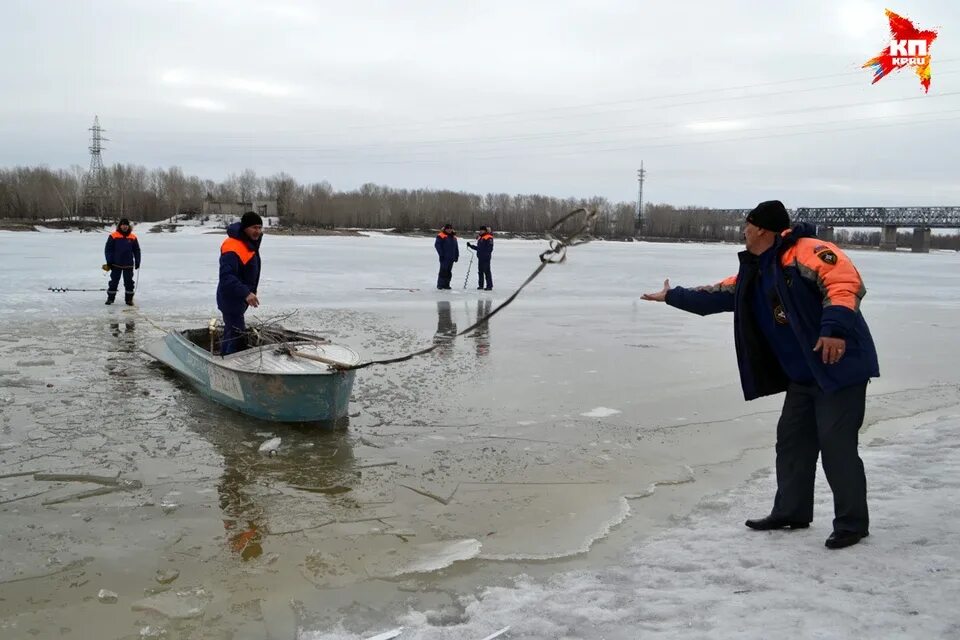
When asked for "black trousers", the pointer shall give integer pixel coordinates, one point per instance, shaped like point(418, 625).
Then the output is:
point(445, 274)
point(234, 328)
point(115, 273)
point(813, 422)
point(483, 271)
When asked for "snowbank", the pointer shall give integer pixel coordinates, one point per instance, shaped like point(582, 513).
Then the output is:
point(707, 576)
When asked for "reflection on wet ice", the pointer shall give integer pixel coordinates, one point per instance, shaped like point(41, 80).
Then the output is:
point(482, 333)
point(308, 482)
point(446, 327)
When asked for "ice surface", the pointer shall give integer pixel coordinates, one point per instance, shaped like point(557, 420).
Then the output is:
point(489, 428)
point(600, 412)
point(709, 577)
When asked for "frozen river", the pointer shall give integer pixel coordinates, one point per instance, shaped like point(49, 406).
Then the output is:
point(579, 421)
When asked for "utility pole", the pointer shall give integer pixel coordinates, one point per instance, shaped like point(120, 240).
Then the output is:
point(94, 183)
point(641, 174)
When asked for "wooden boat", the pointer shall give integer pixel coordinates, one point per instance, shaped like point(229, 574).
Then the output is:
point(281, 376)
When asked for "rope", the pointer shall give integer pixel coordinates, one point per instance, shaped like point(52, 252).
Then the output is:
point(69, 290)
point(556, 254)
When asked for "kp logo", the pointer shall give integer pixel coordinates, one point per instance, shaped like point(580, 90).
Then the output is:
point(909, 47)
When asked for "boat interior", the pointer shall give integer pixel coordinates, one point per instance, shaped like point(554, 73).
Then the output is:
point(209, 337)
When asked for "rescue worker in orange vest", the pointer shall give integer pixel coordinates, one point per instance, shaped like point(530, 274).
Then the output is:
point(798, 328)
point(122, 254)
point(239, 276)
point(448, 252)
point(484, 249)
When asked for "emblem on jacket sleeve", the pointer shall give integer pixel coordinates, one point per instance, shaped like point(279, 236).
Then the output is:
point(828, 256)
point(780, 314)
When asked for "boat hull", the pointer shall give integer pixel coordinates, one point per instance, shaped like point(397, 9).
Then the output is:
point(277, 397)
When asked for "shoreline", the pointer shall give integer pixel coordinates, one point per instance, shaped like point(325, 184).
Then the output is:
point(157, 228)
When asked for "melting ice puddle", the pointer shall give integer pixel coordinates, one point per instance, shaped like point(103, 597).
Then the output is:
point(438, 555)
point(600, 412)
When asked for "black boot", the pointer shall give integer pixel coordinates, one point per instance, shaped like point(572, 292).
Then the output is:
point(111, 296)
point(841, 539)
point(128, 298)
point(774, 522)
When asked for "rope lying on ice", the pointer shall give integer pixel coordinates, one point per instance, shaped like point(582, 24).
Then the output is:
point(556, 254)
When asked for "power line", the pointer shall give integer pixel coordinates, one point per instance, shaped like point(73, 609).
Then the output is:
point(463, 120)
point(562, 138)
point(641, 174)
point(94, 183)
point(589, 146)
point(597, 150)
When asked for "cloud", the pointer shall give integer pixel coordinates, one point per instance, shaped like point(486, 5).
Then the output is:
point(862, 20)
point(203, 104)
point(715, 125)
point(183, 78)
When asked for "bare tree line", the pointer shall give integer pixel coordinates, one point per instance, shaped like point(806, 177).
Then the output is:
point(133, 191)
point(40, 193)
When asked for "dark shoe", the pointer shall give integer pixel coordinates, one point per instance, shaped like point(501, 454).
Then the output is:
point(479, 288)
point(841, 539)
point(128, 300)
point(109, 301)
point(773, 522)
point(489, 289)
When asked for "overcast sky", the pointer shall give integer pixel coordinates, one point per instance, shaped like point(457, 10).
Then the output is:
point(726, 103)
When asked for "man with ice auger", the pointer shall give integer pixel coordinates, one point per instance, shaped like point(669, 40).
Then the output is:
point(484, 249)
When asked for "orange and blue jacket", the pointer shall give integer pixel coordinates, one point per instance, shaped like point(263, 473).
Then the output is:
point(484, 246)
point(122, 250)
point(239, 270)
point(447, 248)
point(819, 290)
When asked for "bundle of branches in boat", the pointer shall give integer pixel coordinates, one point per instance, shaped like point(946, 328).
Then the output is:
point(269, 331)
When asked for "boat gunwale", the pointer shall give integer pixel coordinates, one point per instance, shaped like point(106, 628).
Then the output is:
point(225, 362)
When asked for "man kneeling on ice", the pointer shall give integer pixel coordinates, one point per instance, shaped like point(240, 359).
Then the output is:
point(239, 276)
point(798, 328)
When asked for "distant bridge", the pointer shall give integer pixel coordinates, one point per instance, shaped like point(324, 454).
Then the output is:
point(888, 219)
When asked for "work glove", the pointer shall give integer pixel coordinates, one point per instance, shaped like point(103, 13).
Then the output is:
point(105, 267)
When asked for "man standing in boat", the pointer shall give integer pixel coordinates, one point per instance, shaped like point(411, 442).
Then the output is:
point(448, 252)
point(239, 276)
point(122, 253)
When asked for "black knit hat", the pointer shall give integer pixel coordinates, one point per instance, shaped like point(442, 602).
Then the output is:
point(123, 221)
point(770, 215)
point(250, 219)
